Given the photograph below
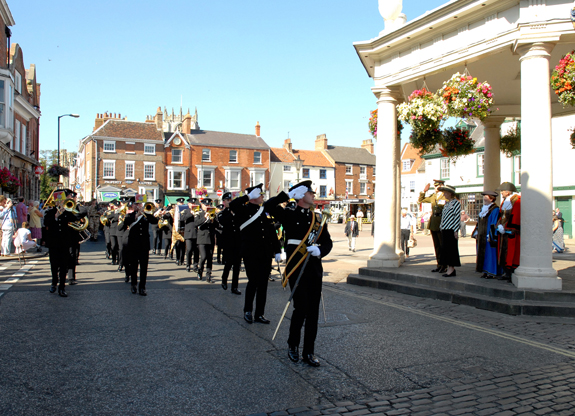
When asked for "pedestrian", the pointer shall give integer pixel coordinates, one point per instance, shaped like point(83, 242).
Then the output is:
point(36, 222)
point(486, 236)
point(449, 227)
point(462, 227)
point(558, 242)
point(407, 226)
point(23, 239)
point(156, 233)
point(351, 231)
point(360, 219)
point(301, 225)
point(113, 217)
point(437, 201)
point(21, 212)
point(9, 226)
point(230, 240)
point(259, 243)
point(509, 227)
point(206, 223)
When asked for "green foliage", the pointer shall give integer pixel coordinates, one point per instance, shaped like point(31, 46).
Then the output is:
point(510, 143)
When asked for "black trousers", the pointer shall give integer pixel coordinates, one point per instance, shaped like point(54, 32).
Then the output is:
point(436, 236)
point(403, 241)
point(168, 240)
point(232, 260)
point(59, 258)
point(108, 241)
point(137, 257)
point(115, 247)
point(306, 300)
point(206, 254)
point(192, 249)
point(219, 252)
point(157, 238)
point(258, 270)
point(73, 252)
point(180, 249)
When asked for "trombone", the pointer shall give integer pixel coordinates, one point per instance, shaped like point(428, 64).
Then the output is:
point(149, 208)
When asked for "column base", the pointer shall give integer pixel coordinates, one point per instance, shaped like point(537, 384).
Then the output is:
point(377, 260)
point(536, 278)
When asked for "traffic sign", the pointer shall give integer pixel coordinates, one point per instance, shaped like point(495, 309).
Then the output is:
point(39, 170)
point(78, 186)
point(220, 193)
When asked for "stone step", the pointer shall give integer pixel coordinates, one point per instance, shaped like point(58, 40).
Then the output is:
point(508, 300)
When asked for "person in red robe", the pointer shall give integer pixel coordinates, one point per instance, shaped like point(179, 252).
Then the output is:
point(509, 229)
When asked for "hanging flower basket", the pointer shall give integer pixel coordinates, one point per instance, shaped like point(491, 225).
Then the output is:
point(456, 142)
point(463, 97)
point(201, 191)
point(425, 141)
point(510, 143)
point(10, 183)
point(373, 125)
point(423, 111)
point(563, 80)
point(55, 171)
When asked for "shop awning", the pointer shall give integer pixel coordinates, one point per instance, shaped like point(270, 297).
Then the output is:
point(171, 199)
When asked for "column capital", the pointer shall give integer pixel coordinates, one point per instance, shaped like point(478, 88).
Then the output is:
point(493, 122)
point(534, 50)
point(387, 94)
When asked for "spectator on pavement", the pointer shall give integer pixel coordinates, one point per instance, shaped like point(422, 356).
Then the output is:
point(360, 219)
point(36, 221)
point(449, 227)
point(558, 242)
point(463, 225)
point(21, 211)
point(9, 226)
point(23, 239)
point(407, 225)
point(351, 231)
point(486, 235)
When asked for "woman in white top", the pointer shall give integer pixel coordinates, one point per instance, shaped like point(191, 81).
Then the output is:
point(23, 239)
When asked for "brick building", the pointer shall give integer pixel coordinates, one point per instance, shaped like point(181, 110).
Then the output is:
point(121, 157)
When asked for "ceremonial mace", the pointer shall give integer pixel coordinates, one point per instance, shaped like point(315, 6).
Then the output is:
point(325, 215)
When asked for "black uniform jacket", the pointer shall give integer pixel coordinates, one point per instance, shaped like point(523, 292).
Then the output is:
point(229, 232)
point(187, 218)
point(296, 223)
point(137, 230)
point(58, 232)
point(259, 238)
point(206, 228)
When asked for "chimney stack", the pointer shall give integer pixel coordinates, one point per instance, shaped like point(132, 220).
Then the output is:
point(159, 119)
point(368, 145)
point(258, 129)
point(187, 124)
point(98, 123)
point(321, 142)
point(287, 145)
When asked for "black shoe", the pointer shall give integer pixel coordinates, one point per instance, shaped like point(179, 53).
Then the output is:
point(195, 269)
point(143, 292)
point(52, 289)
point(134, 289)
point(62, 293)
point(438, 269)
point(248, 317)
point(199, 275)
point(209, 279)
point(310, 360)
point(165, 256)
point(108, 256)
point(224, 286)
point(262, 320)
point(73, 282)
point(293, 354)
point(127, 279)
point(113, 263)
point(453, 274)
point(154, 252)
point(236, 292)
point(188, 268)
point(121, 268)
point(484, 276)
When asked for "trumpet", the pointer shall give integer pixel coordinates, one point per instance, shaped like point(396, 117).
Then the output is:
point(149, 208)
point(211, 212)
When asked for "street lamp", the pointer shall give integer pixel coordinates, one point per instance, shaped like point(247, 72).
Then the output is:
point(59, 117)
point(298, 164)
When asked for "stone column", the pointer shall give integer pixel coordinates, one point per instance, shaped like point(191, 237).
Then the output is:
point(386, 226)
point(492, 154)
point(536, 269)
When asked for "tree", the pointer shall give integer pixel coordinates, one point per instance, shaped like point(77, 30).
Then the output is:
point(47, 159)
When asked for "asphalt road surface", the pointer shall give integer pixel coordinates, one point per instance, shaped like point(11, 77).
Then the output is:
point(186, 350)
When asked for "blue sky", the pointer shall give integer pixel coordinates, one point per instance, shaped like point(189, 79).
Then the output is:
point(289, 65)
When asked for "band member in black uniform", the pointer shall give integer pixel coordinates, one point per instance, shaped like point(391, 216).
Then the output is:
point(75, 240)
point(113, 221)
point(229, 240)
point(218, 234)
point(167, 230)
point(258, 246)
point(156, 233)
point(298, 228)
point(180, 246)
point(59, 239)
point(121, 234)
point(137, 225)
point(106, 229)
point(187, 217)
point(206, 223)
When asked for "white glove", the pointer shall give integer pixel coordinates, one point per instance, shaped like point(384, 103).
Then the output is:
point(314, 251)
point(278, 257)
point(255, 193)
point(298, 193)
point(501, 229)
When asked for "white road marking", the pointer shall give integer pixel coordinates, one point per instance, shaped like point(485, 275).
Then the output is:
point(16, 276)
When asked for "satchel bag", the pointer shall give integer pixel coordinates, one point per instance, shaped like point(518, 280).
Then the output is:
point(411, 243)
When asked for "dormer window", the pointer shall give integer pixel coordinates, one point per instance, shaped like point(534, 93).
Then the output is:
point(407, 164)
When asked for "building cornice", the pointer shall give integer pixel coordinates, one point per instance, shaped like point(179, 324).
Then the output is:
point(6, 14)
point(25, 109)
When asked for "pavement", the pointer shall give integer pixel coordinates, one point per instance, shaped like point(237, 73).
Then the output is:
point(186, 350)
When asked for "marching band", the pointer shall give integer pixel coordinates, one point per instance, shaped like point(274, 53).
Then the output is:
point(245, 229)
